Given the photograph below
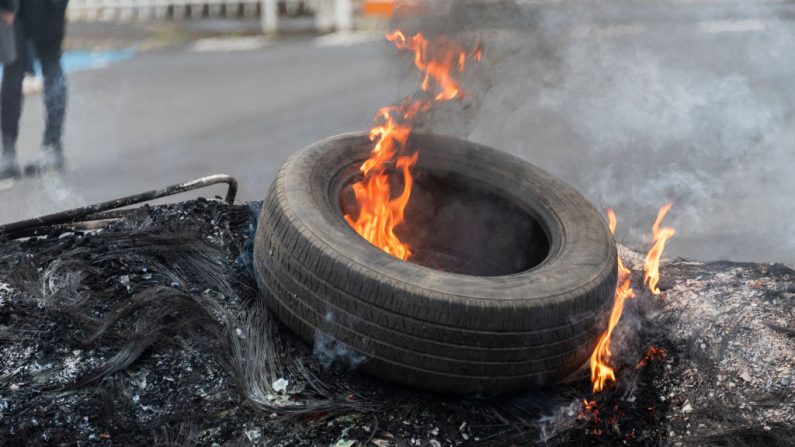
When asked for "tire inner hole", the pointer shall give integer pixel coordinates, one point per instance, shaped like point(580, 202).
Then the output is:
point(460, 225)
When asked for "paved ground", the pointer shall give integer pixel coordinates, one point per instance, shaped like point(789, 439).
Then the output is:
point(173, 113)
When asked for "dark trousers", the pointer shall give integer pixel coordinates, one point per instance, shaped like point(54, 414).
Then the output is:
point(39, 27)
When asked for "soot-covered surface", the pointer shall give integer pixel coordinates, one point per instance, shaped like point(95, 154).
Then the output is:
point(150, 331)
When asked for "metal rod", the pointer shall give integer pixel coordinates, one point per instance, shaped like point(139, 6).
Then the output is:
point(77, 214)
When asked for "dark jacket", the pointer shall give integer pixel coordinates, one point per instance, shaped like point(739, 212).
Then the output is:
point(9, 5)
point(44, 23)
point(8, 38)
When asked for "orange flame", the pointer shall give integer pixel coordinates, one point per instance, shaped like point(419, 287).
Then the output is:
point(601, 372)
point(435, 59)
point(379, 212)
point(651, 267)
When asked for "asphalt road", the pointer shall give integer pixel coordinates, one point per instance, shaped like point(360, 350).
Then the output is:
point(175, 114)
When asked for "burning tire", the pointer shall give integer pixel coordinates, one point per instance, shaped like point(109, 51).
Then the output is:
point(509, 284)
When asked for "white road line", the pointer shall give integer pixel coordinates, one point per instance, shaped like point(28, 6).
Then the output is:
point(7, 184)
point(346, 39)
point(618, 30)
point(698, 28)
point(229, 44)
point(731, 26)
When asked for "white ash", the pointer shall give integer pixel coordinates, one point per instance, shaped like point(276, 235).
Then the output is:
point(737, 364)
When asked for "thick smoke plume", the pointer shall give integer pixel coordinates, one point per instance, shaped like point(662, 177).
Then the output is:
point(636, 104)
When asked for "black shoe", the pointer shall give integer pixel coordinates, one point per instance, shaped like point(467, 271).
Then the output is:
point(51, 159)
point(9, 168)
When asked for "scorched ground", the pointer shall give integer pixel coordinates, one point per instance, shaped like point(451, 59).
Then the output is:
point(151, 331)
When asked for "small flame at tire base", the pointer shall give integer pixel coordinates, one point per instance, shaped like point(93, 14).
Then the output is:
point(651, 267)
point(601, 371)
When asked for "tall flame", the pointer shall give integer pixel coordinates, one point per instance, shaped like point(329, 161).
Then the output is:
point(436, 60)
point(379, 211)
point(601, 371)
point(651, 267)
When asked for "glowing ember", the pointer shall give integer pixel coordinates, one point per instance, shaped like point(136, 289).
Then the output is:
point(651, 268)
point(589, 413)
point(652, 354)
point(601, 371)
point(589, 410)
point(379, 211)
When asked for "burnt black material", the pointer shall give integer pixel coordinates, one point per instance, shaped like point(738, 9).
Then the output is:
point(30, 227)
point(167, 288)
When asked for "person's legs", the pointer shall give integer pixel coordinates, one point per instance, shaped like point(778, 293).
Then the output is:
point(47, 27)
point(55, 93)
point(11, 105)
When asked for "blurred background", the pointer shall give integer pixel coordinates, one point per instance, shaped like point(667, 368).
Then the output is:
point(164, 91)
point(633, 102)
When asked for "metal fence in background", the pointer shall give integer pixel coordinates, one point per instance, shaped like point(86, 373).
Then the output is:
point(328, 14)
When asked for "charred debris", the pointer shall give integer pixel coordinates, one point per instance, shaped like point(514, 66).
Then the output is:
point(151, 330)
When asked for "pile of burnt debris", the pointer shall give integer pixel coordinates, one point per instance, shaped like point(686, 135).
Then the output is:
point(151, 331)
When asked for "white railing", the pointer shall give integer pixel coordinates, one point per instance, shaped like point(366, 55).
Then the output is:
point(329, 14)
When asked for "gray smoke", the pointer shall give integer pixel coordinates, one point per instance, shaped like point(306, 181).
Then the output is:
point(328, 350)
point(639, 103)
